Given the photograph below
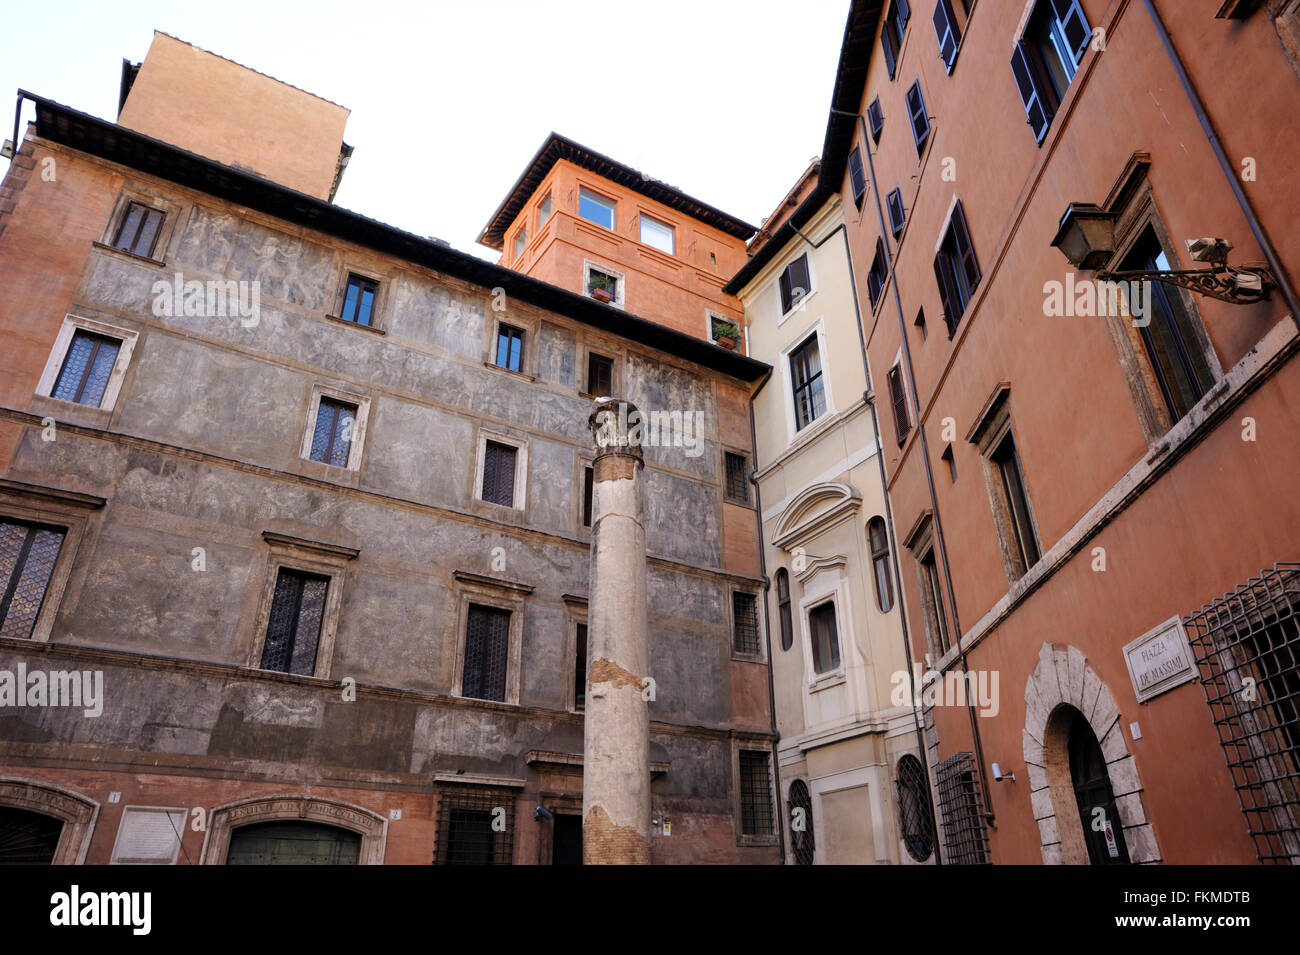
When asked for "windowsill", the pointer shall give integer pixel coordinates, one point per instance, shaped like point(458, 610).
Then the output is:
point(803, 302)
point(748, 505)
point(827, 680)
point(145, 259)
point(747, 657)
point(756, 841)
point(72, 412)
point(365, 328)
point(510, 371)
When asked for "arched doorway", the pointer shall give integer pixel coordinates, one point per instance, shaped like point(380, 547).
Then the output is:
point(28, 838)
point(292, 842)
point(1102, 831)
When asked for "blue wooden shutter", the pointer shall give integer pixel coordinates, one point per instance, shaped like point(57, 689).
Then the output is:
point(1074, 26)
point(1039, 106)
point(965, 249)
point(945, 28)
point(887, 43)
point(916, 111)
point(876, 117)
point(896, 212)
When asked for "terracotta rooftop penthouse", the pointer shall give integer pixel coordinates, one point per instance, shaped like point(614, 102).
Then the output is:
point(590, 224)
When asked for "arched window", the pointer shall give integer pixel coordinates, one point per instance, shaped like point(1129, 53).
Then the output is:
point(879, 539)
point(783, 604)
point(914, 808)
point(801, 823)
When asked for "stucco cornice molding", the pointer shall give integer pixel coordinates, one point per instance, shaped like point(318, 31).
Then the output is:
point(42, 492)
point(813, 510)
point(496, 583)
point(318, 548)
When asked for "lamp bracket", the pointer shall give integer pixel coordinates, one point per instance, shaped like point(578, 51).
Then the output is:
point(1217, 282)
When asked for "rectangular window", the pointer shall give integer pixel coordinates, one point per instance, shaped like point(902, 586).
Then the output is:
point(795, 283)
point(543, 211)
point(596, 208)
point(745, 625)
point(891, 34)
point(487, 646)
point(964, 839)
point(756, 817)
point(955, 268)
point(919, 117)
point(602, 286)
point(1177, 360)
point(898, 401)
point(896, 215)
point(293, 628)
point(856, 177)
point(1024, 546)
point(27, 556)
point(139, 229)
point(587, 480)
point(510, 347)
point(876, 277)
point(806, 379)
point(331, 440)
point(825, 638)
point(359, 300)
point(948, 32)
point(737, 477)
point(656, 234)
point(932, 598)
point(876, 118)
point(580, 668)
point(521, 240)
point(600, 375)
point(1046, 58)
point(499, 474)
point(86, 369)
point(471, 831)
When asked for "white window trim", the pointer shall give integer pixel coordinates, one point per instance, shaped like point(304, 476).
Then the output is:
point(59, 353)
point(838, 596)
point(710, 315)
point(357, 448)
point(613, 212)
point(521, 467)
point(672, 233)
point(776, 285)
point(621, 296)
point(793, 432)
point(511, 598)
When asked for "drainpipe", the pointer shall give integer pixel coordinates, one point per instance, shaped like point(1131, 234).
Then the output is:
point(767, 627)
point(925, 458)
point(1229, 171)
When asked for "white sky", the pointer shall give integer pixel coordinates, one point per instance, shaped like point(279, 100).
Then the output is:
point(724, 99)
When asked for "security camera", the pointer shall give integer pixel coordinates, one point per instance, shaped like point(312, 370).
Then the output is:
point(999, 775)
point(1214, 251)
point(541, 813)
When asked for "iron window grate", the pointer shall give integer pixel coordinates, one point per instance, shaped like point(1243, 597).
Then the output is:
point(802, 839)
point(487, 645)
point(475, 826)
point(293, 627)
point(1247, 648)
point(737, 485)
point(914, 809)
point(755, 793)
point(745, 610)
point(27, 556)
point(965, 841)
point(87, 367)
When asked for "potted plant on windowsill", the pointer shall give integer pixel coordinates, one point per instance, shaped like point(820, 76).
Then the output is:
point(600, 287)
point(726, 334)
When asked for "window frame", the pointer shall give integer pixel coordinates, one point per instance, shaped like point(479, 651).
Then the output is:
point(744, 838)
point(875, 119)
point(502, 326)
point(857, 177)
point(953, 267)
point(896, 226)
point(620, 282)
point(59, 354)
point(727, 456)
point(757, 655)
point(887, 603)
point(356, 453)
point(365, 278)
point(600, 200)
point(796, 387)
point(575, 620)
point(544, 211)
point(642, 219)
point(1031, 73)
point(587, 390)
point(498, 594)
point(784, 282)
point(878, 275)
point(990, 434)
point(920, 139)
point(897, 385)
point(793, 431)
point(520, 445)
point(784, 613)
point(162, 239)
point(519, 244)
point(920, 542)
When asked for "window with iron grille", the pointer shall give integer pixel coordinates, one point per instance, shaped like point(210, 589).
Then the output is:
point(86, 369)
point(914, 812)
point(27, 556)
point(755, 793)
point(897, 218)
point(499, 474)
point(802, 840)
point(876, 277)
point(1250, 638)
point(806, 379)
point(139, 229)
point(918, 116)
point(876, 118)
point(856, 177)
point(331, 439)
point(510, 347)
point(898, 401)
point(878, 537)
point(783, 608)
point(965, 840)
point(580, 668)
point(475, 826)
point(795, 283)
point(737, 477)
point(588, 477)
point(293, 627)
point(487, 652)
point(600, 375)
point(359, 300)
point(745, 611)
point(956, 269)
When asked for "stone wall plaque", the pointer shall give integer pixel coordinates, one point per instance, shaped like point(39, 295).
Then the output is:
point(149, 835)
point(1159, 660)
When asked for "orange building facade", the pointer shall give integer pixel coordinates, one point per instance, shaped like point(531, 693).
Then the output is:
point(1094, 505)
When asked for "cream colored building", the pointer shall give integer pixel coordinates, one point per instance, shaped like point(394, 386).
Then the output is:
point(836, 628)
